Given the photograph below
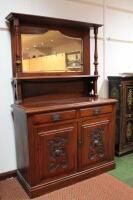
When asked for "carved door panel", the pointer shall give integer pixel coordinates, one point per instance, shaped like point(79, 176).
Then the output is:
point(56, 150)
point(95, 144)
point(116, 92)
point(127, 133)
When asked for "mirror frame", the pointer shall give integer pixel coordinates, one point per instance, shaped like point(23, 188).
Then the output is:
point(23, 24)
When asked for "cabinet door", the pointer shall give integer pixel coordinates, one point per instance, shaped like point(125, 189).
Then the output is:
point(116, 92)
point(96, 141)
point(127, 131)
point(55, 150)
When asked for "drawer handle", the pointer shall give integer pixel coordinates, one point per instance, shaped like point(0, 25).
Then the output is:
point(56, 117)
point(97, 111)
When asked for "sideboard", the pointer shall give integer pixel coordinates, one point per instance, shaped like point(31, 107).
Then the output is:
point(64, 132)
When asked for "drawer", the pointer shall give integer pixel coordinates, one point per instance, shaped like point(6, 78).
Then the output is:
point(54, 117)
point(95, 111)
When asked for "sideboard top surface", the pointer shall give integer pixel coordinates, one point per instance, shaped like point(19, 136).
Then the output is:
point(122, 76)
point(62, 104)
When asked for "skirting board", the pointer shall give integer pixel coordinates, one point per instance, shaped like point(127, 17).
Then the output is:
point(8, 175)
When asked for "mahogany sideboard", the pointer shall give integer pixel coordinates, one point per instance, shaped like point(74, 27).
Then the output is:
point(64, 132)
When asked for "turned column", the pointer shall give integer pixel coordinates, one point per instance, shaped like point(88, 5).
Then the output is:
point(17, 58)
point(95, 51)
point(95, 60)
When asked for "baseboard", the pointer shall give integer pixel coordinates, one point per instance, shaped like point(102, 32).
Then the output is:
point(124, 152)
point(44, 188)
point(9, 174)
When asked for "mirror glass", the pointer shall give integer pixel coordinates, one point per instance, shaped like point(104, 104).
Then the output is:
point(51, 51)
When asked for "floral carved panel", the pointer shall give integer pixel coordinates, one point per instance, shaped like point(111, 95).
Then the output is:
point(57, 148)
point(96, 147)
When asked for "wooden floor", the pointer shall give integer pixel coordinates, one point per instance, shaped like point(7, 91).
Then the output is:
point(103, 187)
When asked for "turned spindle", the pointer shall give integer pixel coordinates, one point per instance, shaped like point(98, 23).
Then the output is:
point(17, 59)
point(95, 51)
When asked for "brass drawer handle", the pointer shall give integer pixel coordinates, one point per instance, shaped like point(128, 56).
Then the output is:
point(56, 117)
point(97, 111)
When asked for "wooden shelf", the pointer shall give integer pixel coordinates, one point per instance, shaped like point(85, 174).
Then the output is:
point(54, 77)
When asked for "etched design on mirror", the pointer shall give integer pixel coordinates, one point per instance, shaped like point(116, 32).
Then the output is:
point(51, 51)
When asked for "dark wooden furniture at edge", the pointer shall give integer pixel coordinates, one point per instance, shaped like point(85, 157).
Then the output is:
point(121, 88)
point(64, 132)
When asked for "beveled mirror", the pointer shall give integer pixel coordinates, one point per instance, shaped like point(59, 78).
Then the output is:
point(51, 51)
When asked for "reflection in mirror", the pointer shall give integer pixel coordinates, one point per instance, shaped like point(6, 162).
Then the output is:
point(51, 51)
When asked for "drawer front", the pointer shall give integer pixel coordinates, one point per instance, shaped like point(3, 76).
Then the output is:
point(95, 111)
point(54, 117)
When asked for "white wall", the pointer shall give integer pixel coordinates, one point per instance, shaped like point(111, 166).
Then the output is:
point(115, 49)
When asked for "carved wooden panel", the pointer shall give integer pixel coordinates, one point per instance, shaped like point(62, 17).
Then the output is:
point(129, 131)
point(95, 146)
point(121, 88)
point(115, 92)
point(129, 96)
point(128, 118)
point(57, 149)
